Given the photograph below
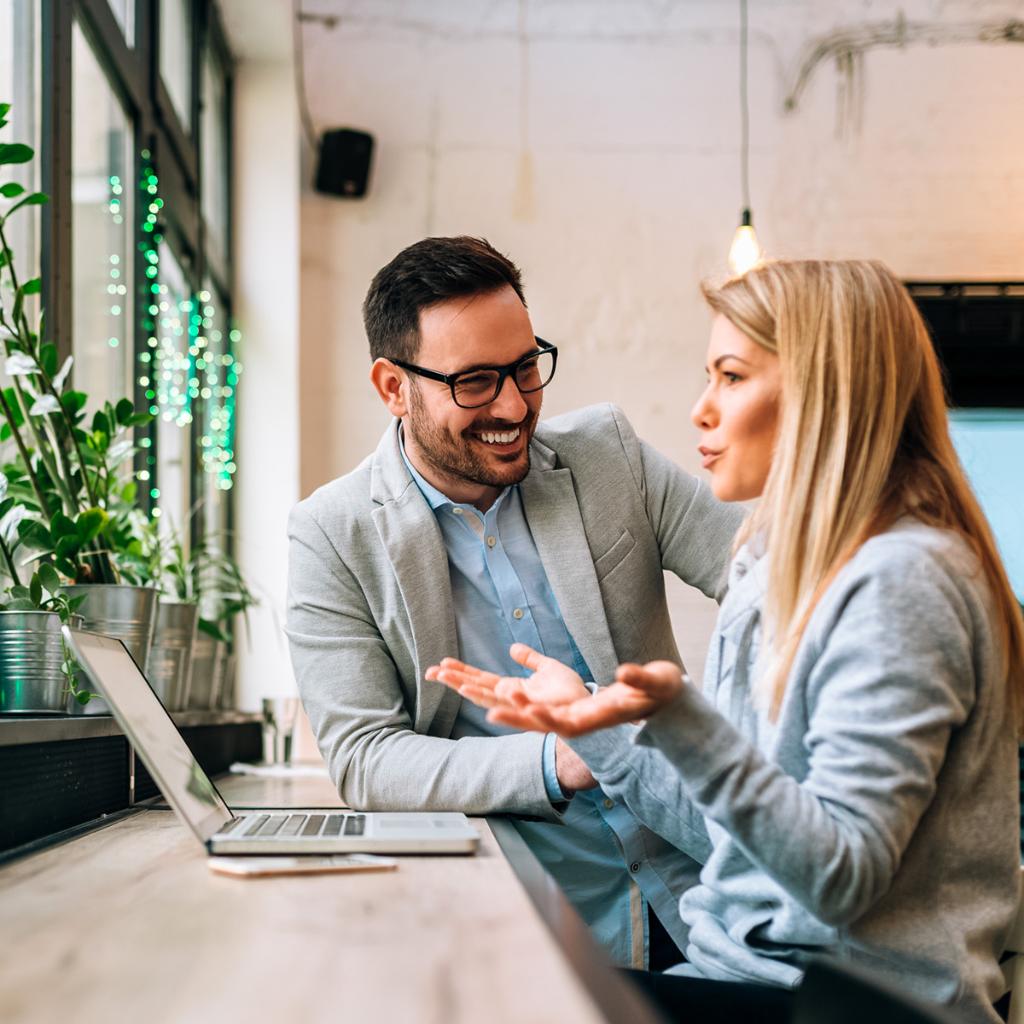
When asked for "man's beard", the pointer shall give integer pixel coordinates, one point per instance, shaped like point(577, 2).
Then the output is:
point(454, 455)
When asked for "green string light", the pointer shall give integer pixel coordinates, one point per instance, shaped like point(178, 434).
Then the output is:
point(187, 358)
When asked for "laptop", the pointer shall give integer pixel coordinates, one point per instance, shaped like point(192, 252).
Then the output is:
point(194, 798)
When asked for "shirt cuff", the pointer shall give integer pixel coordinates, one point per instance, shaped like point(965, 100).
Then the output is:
point(555, 792)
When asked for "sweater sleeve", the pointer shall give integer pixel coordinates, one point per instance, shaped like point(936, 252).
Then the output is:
point(892, 678)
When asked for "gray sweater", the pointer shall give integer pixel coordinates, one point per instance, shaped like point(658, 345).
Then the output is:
point(877, 818)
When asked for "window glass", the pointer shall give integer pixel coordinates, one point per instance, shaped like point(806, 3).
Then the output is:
point(19, 86)
point(171, 373)
point(176, 56)
point(214, 169)
point(124, 13)
point(102, 217)
point(216, 378)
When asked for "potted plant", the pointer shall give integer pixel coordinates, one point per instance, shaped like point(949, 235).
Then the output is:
point(64, 474)
point(223, 595)
point(36, 668)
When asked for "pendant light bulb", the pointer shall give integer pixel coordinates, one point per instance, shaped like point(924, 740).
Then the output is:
point(745, 251)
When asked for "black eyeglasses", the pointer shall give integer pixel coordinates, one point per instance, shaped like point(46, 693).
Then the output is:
point(473, 388)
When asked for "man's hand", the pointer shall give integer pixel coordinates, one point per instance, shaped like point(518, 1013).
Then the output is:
point(573, 774)
point(551, 683)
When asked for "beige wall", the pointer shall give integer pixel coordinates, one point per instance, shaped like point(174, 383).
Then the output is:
point(597, 142)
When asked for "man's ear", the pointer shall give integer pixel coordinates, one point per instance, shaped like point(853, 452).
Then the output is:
point(391, 384)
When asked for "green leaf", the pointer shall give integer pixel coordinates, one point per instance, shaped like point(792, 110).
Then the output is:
point(62, 526)
point(4, 111)
point(32, 199)
point(67, 548)
point(48, 358)
point(75, 603)
point(32, 286)
point(83, 696)
point(100, 423)
point(73, 401)
point(19, 591)
point(35, 589)
point(90, 524)
point(140, 419)
point(21, 604)
point(123, 412)
point(15, 153)
point(11, 189)
point(49, 578)
point(34, 534)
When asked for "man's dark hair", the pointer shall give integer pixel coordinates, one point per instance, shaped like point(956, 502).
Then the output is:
point(428, 272)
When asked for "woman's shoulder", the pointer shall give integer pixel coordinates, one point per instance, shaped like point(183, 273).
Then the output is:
point(911, 571)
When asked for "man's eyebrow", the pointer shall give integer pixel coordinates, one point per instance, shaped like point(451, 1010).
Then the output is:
point(491, 366)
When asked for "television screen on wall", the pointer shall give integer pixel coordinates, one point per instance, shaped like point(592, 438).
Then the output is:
point(990, 443)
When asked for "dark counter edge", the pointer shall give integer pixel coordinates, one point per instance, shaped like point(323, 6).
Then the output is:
point(617, 999)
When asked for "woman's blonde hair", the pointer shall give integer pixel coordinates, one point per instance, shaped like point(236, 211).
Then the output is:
point(863, 440)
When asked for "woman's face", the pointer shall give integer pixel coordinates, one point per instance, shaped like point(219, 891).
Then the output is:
point(738, 413)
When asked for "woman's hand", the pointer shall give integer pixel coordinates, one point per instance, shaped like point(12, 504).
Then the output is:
point(554, 699)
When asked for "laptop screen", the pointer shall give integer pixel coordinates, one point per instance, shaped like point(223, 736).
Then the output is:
point(156, 739)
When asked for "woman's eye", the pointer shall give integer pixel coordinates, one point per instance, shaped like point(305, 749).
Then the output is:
point(732, 378)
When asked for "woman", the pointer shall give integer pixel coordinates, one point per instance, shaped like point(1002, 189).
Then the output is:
point(848, 775)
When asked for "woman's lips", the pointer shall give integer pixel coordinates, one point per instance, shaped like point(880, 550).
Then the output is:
point(708, 456)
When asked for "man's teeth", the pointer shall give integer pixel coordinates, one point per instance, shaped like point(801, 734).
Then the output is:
point(505, 437)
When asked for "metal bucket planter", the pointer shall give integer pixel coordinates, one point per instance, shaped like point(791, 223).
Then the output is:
point(31, 654)
point(169, 666)
point(226, 695)
point(209, 655)
point(127, 613)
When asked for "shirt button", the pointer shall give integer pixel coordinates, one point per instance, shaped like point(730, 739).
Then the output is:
point(491, 541)
point(609, 804)
point(517, 613)
point(456, 511)
point(634, 867)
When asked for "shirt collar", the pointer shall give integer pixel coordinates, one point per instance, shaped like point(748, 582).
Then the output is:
point(435, 499)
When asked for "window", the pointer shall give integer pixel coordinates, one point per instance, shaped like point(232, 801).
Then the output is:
point(176, 56)
point(215, 370)
point(171, 373)
point(19, 86)
point(214, 153)
point(124, 14)
point(102, 192)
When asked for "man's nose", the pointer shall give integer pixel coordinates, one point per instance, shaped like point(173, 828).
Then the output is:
point(509, 403)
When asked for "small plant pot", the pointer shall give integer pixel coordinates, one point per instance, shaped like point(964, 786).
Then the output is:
point(169, 666)
point(208, 661)
point(32, 680)
point(124, 612)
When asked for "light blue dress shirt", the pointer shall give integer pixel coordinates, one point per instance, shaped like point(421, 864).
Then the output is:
point(501, 595)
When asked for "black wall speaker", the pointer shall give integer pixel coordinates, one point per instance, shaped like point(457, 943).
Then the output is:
point(343, 163)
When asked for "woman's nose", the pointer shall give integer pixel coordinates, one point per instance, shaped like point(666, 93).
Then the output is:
point(703, 414)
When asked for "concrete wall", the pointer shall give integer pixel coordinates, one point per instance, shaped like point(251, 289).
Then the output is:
point(597, 142)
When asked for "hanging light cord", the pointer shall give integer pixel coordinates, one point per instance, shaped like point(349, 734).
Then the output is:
point(298, 17)
point(744, 110)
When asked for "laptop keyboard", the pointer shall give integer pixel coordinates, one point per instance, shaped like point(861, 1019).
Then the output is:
point(304, 826)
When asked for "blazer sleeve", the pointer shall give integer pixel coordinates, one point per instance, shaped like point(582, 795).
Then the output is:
point(693, 528)
point(351, 690)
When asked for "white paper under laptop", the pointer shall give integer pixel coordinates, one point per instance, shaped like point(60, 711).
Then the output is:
point(188, 789)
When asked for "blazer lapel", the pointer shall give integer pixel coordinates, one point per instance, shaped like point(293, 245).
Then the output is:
point(412, 539)
point(553, 513)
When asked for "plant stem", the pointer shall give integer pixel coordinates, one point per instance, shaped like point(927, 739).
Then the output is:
point(12, 570)
point(9, 415)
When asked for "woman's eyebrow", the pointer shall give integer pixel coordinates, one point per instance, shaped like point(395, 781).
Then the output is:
point(728, 355)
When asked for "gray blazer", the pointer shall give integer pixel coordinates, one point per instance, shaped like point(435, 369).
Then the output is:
point(370, 606)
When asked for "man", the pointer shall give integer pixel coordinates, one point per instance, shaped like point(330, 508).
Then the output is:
point(472, 527)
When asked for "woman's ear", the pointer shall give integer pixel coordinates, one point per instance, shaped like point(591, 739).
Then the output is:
point(390, 384)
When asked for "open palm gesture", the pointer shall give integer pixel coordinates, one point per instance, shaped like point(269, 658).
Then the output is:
point(554, 699)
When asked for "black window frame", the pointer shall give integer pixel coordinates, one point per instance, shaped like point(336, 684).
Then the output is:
point(133, 71)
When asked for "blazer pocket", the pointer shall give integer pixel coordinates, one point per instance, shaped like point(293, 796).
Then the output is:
point(613, 557)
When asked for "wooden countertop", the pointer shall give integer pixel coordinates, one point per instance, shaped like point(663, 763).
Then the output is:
point(128, 923)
